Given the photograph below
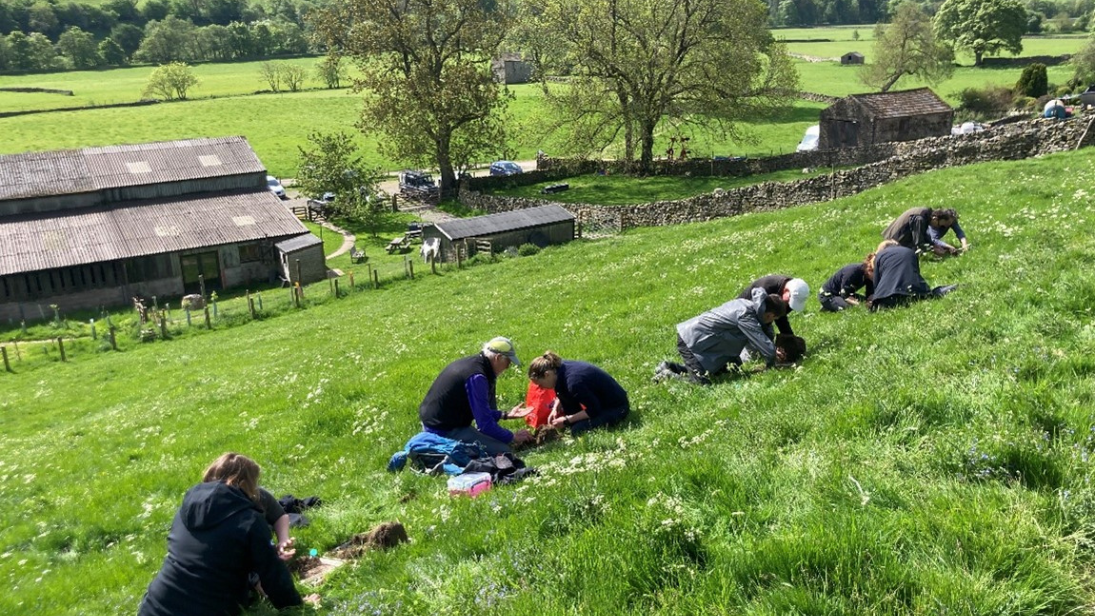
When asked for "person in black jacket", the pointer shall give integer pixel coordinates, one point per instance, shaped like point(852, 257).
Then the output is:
point(586, 396)
point(793, 291)
point(897, 278)
point(464, 392)
point(218, 538)
point(842, 289)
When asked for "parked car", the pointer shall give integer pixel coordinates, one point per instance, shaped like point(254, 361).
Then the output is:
point(274, 185)
point(505, 167)
point(809, 140)
point(416, 183)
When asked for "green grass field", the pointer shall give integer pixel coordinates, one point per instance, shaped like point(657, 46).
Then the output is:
point(276, 124)
point(931, 459)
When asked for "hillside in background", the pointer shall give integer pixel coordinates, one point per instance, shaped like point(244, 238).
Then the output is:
point(931, 459)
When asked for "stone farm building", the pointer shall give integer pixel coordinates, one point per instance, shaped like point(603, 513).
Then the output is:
point(852, 57)
point(866, 119)
point(542, 226)
point(509, 68)
point(95, 227)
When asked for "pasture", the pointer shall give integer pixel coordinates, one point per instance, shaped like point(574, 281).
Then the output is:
point(276, 124)
point(931, 459)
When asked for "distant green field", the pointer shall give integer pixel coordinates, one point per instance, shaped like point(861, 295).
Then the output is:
point(276, 124)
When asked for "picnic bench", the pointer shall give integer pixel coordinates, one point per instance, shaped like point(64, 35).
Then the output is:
point(358, 255)
point(399, 244)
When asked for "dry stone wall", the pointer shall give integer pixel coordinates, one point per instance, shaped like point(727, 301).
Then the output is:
point(877, 166)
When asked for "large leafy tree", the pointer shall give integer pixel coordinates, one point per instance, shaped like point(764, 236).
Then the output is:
point(331, 162)
point(907, 46)
point(425, 71)
point(641, 63)
point(80, 48)
point(982, 27)
point(171, 81)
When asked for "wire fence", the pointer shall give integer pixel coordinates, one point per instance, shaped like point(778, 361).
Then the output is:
point(153, 321)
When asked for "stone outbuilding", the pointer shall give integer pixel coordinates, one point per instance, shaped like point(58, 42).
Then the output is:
point(852, 57)
point(866, 119)
point(511, 68)
point(95, 227)
point(542, 226)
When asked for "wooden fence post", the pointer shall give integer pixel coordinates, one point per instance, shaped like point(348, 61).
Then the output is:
point(18, 355)
point(163, 324)
point(250, 305)
point(433, 264)
point(352, 287)
point(208, 325)
point(299, 279)
point(61, 347)
point(94, 335)
point(336, 287)
point(113, 340)
point(4, 352)
point(376, 279)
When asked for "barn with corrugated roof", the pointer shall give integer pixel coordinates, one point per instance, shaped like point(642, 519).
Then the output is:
point(97, 226)
point(541, 226)
point(866, 119)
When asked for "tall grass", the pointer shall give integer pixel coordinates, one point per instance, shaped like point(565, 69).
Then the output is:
point(930, 459)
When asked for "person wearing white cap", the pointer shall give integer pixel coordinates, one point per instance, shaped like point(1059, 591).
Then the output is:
point(464, 392)
point(794, 291)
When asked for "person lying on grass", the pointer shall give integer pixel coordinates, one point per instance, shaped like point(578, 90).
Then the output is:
point(709, 344)
point(218, 550)
point(586, 396)
point(464, 392)
point(897, 278)
point(841, 290)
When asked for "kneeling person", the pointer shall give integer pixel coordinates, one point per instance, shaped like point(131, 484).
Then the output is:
point(711, 341)
point(586, 396)
point(464, 392)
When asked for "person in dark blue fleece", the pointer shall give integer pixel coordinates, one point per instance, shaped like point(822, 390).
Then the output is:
point(586, 396)
point(218, 538)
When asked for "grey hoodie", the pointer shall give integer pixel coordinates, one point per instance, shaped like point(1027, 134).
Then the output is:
point(718, 336)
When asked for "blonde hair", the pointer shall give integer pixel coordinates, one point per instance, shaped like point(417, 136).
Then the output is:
point(236, 470)
point(886, 244)
point(538, 367)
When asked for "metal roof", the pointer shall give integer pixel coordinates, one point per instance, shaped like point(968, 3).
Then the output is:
point(921, 101)
point(140, 228)
point(482, 226)
point(62, 172)
point(298, 243)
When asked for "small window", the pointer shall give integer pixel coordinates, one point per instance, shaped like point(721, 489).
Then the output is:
point(249, 253)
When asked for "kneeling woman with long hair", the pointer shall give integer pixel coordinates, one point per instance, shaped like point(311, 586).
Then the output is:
point(586, 396)
point(218, 539)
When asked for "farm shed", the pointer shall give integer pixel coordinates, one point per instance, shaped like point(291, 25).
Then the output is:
point(852, 57)
point(542, 226)
point(94, 227)
point(303, 254)
point(866, 119)
point(510, 68)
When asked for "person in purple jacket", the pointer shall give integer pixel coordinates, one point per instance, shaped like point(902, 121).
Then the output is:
point(586, 396)
point(464, 393)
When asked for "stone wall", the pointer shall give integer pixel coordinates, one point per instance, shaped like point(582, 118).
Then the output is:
point(1025, 62)
point(1008, 142)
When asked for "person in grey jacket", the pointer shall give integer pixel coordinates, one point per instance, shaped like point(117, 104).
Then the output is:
point(712, 341)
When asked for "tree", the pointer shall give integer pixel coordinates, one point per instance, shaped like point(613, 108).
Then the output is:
point(1083, 66)
point(32, 53)
point(128, 37)
point(641, 64)
point(171, 81)
point(270, 74)
point(425, 68)
point(332, 163)
point(1033, 82)
point(331, 71)
point(80, 48)
point(167, 41)
point(982, 26)
point(293, 75)
point(907, 47)
point(112, 53)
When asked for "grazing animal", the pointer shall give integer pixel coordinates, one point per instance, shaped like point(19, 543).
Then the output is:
point(431, 249)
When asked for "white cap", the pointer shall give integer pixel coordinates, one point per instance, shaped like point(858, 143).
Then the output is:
point(799, 291)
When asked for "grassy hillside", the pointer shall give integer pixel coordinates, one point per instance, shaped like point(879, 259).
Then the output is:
point(932, 459)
